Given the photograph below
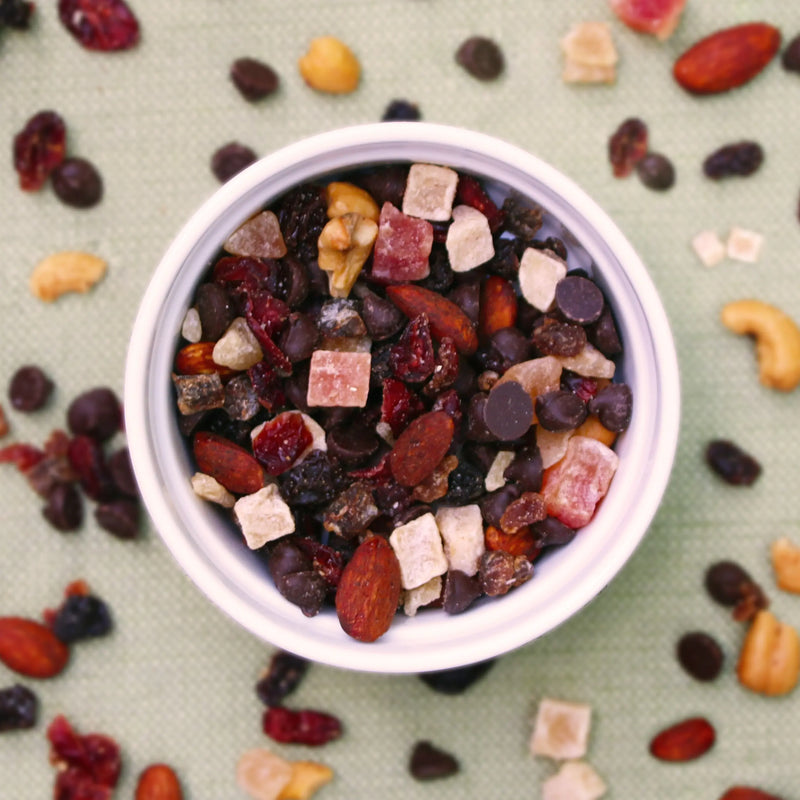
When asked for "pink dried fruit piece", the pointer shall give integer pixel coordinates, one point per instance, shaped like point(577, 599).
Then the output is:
point(38, 149)
point(402, 248)
point(656, 17)
point(104, 25)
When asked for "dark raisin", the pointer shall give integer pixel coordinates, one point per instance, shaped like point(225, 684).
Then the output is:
point(385, 184)
point(64, 507)
point(493, 504)
point(457, 680)
point(552, 337)
point(481, 57)
point(120, 517)
point(96, 413)
point(302, 214)
point(16, 13)
point(317, 479)
point(401, 111)
point(18, 708)
point(613, 405)
point(29, 389)
point(230, 159)
point(523, 219)
point(82, 617)
point(104, 25)
point(700, 655)
point(77, 183)
point(283, 676)
point(39, 148)
point(253, 78)
point(627, 146)
point(460, 591)
point(464, 484)
point(555, 245)
point(739, 158)
point(428, 762)
point(656, 171)
point(560, 410)
point(731, 463)
point(121, 469)
point(441, 275)
point(790, 60)
point(726, 581)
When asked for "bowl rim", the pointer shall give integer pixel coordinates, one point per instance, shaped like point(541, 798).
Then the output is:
point(471, 637)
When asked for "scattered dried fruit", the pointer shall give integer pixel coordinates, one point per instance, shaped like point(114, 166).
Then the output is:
point(700, 655)
point(313, 728)
point(30, 648)
point(104, 25)
point(684, 741)
point(428, 762)
point(731, 463)
point(19, 708)
point(68, 271)
point(481, 57)
point(738, 158)
point(158, 782)
point(656, 17)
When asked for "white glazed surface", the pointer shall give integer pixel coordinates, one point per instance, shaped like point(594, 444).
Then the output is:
point(204, 541)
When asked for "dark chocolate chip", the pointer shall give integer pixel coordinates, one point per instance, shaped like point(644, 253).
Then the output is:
point(77, 183)
point(29, 389)
point(456, 680)
point(509, 411)
point(560, 410)
point(700, 655)
point(613, 405)
point(460, 591)
point(428, 762)
point(579, 299)
point(481, 57)
point(401, 111)
point(230, 159)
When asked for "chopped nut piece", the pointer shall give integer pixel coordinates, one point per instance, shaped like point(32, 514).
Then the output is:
point(469, 239)
point(191, 330)
point(238, 347)
point(211, 489)
point(539, 273)
point(419, 596)
point(259, 237)
point(263, 516)
point(307, 777)
point(576, 780)
point(418, 547)
point(430, 191)
point(709, 248)
point(198, 392)
point(344, 246)
point(561, 729)
point(262, 774)
point(461, 529)
point(66, 272)
point(344, 198)
point(494, 477)
point(786, 564)
point(339, 379)
point(744, 245)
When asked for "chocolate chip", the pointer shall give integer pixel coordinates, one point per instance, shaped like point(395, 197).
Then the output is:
point(560, 410)
point(96, 413)
point(230, 159)
point(613, 405)
point(603, 334)
point(29, 388)
point(579, 299)
point(526, 469)
point(655, 171)
point(700, 655)
point(215, 309)
point(253, 78)
point(509, 411)
point(352, 443)
point(457, 680)
point(77, 183)
point(428, 762)
point(460, 591)
point(551, 532)
point(481, 57)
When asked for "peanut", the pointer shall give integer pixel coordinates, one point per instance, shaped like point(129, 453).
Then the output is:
point(769, 662)
point(330, 66)
point(777, 340)
point(786, 564)
point(68, 271)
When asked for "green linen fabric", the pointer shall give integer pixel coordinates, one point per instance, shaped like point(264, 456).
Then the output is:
point(174, 682)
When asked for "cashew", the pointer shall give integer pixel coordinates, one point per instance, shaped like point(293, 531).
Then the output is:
point(330, 66)
point(777, 340)
point(344, 246)
point(786, 564)
point(769, 662)
point(66, 272)
point(307, 777)
point(344, 198)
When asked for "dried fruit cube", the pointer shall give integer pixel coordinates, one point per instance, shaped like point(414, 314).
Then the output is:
point(263, 516)
point(258, 237)
point(430, 191)
point(339, 379)
point(576, 780)
point(402, 248)
point(744, 245)
point(418, 547)
point(590, 54)
point(709, 248)
point(461, 529)
point(574, 486)
point(419, 596)
point(561, 729)
point(238, 347)
point(469, 239)
point(212, 490)
point(262, 774)
point(539, 273)
point(656, 17)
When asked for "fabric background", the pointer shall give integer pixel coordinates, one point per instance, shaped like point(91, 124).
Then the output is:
point(175, 680)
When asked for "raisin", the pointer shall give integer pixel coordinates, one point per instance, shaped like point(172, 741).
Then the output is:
point(18, 708)
point(104, 25)
point(528, 508)
point(29, 389)
point(283, 676)
point(700, 655)
point(77, 183)
point(656, 171)
point(96, 413)
point(731, 463)
point(428, 762)
point(16, 13)
point(790, 60)
point(739, 158)
point(82, 617)
point(412, 359)
point(64, 507)
point(38, 149)
point(302, 214)
point(725, 580)
point(523, 220)
point(119, 517)
point(627, 146)
point(401, 111)
point(307, 727)
point(481, 57)
point(464, 484)
point(493, 504)
point(457, 680)
point(500, 572)
point(351, 512)
point(230, 159)
point(318, 479)
point(254, 79)
point(552, 337)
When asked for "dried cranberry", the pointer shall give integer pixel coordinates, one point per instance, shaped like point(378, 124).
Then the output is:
point(399, 405)
point(470, 192)
point(18, 708)
point(412, 359)
point(23, 456)
point(94, 757)
point(307, 727)
point(627, 146)
point(39, 148)
point(280, 442)
point(104, 25)
point(283, 676)
point(328, 562)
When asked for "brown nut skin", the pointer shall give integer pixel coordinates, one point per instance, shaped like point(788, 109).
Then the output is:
point(420, 447)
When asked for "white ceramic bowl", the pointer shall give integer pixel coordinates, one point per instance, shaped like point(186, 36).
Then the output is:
point(568, 578)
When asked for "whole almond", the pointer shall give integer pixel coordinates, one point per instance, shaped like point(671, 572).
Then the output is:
point(747, 793)
point(229, 464)
point(30, 648)
point(684, 741)
point(727, 59)
point(420, 447)
point(158, 782)
point(369, 590)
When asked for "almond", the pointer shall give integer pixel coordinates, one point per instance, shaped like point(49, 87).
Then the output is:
point(30, 648)
point(727, 59)
point(196, 359)
point(158, 782)
point(369, 590)
point(747, 793)
point(684, 741)
point(420, 447)
point(229, 464)
point(445, 317)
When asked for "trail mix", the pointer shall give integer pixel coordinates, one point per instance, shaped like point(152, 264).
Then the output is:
point(402, 393)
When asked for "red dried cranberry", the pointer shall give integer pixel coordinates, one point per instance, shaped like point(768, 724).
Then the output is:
point(328, 562)
point(104, 25)
point(399, 405)
point(86, 457)
point(39, 148)
point(627, 146)
point(307, 727)
point(280, 442)
point(23, 456)
point(412, 358)
point(284, 674)
point(93, 760)
point(267, 386)
point(446, 369)
point(469, 192)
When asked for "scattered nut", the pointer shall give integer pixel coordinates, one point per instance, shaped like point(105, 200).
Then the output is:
point(777, 340)
point(344, 198)
point(211, 489)
point(306, 778)
point(344, 247)
point(769, 662)
point(68, 271)
point(329, 65)
point(786, 564)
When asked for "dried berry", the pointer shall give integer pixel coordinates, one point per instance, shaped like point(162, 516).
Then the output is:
point(104, 25)
point(318, 479)
point(302, 215)
point(740, 158)
point(481, 57)
point(30, 648)
point(254, 79)
point(700, 655)
point(790, 59)
point(39, 148)
point(119, 516)
point(96, 413)
point(29, 389)
point(280, 442)
point(77, 183)
point(627, 146)
point(725, 581)
point(412, 359)
point(82, 617)
point(731, 463)
point(16, 13)
point(656, 171)
point(18, 708)
point(230, 159)
point(401, 111)
point(313, 728)
point(283, 676)
point(428, 762)
point(63, 508)
point(457, 680)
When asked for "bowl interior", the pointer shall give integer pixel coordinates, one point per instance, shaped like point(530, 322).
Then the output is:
point(204, 541)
